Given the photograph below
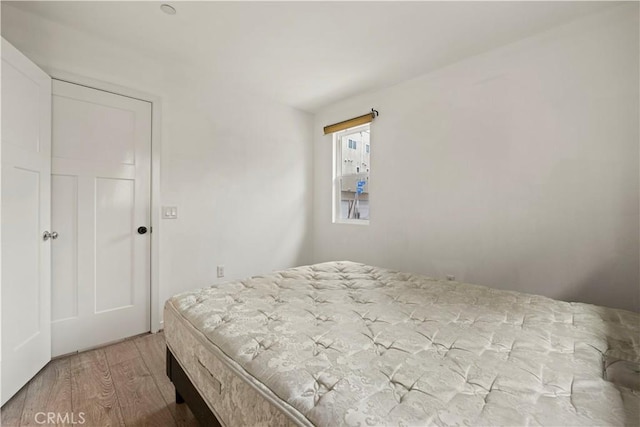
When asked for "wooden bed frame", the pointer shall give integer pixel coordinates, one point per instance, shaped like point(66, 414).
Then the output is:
point(187, 393)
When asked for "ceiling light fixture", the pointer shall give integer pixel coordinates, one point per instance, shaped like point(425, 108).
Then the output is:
point(168, 9)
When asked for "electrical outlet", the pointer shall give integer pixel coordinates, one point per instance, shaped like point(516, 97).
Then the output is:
point(220, 271)
point(451, 277)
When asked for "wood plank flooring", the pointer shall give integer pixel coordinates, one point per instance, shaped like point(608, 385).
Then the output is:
point(123, 384)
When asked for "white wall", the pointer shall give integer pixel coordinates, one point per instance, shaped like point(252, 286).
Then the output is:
point(237, 166)
point(522, 173)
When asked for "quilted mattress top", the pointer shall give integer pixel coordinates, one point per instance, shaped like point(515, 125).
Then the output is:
point(350, 344)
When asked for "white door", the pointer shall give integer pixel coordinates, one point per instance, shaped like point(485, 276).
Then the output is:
point(26, 191)
point(101, 161)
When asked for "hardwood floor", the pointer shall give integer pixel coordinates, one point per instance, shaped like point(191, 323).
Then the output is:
point(123, 384)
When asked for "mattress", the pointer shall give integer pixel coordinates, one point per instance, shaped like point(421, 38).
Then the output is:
point(343, 343)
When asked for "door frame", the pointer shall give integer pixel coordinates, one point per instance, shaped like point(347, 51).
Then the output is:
point(156, 128)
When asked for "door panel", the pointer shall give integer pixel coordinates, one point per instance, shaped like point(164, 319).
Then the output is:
point(18, 118)
point(112, 130)
point(26, 187)
point(101, 195)
point(64, 260)
point(115, 284)
point(21, 255)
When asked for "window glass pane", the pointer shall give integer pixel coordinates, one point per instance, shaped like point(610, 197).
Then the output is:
point(353, 155)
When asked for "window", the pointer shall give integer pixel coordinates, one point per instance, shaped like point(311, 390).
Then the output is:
point(351, 176)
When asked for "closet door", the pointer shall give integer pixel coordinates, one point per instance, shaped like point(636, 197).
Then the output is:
point(101, 175)
point(25, 220)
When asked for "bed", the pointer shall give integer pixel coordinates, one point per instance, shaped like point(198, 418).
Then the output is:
point(344, 343)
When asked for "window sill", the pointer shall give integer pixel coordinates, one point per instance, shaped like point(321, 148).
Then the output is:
point(352, 221)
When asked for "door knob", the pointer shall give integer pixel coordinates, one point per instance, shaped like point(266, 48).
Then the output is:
point(46, 235)
point(142, 230)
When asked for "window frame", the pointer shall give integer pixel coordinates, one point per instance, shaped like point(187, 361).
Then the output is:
point(336, 188)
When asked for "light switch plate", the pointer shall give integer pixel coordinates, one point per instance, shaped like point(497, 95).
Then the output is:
point(169, 212)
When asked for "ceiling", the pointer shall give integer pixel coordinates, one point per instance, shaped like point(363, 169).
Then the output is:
point(310, 54)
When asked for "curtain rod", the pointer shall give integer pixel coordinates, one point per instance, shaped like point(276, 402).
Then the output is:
point(346, 124)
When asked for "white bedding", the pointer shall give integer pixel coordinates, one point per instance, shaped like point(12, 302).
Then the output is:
point(349, 344)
